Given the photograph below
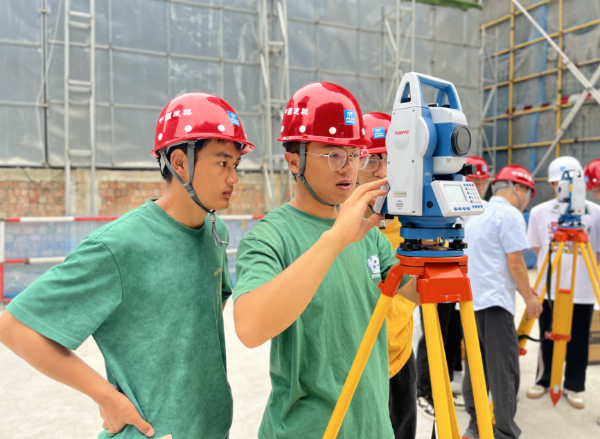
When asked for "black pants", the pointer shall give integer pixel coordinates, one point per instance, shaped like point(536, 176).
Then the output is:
point(403, 401)
point(454, 340)
point(452, 335)
point(577, 348)
point(500, 354)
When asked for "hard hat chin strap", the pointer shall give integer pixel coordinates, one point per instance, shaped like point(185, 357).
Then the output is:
point(302, 178)
point(502, 184)
point(191, 147)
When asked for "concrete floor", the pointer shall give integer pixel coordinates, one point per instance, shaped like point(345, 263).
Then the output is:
point(33, 406)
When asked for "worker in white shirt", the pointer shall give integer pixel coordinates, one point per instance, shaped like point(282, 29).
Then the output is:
point(543, 222)
point(481, 179)
point(496, 242)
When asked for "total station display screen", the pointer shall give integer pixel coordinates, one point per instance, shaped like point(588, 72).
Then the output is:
point(455, 194)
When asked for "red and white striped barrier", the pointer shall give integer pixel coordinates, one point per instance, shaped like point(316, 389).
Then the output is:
point(69, 219)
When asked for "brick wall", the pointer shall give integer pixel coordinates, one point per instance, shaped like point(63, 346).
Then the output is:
point(40, 192)
point(247, 199)
point(120, 197)
point(30, 198)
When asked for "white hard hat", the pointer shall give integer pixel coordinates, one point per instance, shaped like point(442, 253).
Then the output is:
point(561, 164)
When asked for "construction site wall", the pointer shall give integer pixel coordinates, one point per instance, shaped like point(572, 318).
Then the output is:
point(148, 51)
point(39, 192)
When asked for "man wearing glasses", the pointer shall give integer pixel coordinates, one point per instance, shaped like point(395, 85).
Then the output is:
point(307, 276)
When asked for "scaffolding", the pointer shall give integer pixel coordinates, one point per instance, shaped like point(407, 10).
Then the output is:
point(395, 44)
point(398, 34)
point(491, 88)
point(491, 84)
point(80, 86)
point(238, 51)
point(274, 60)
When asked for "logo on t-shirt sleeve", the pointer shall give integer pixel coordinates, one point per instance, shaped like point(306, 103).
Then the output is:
point(373, 264)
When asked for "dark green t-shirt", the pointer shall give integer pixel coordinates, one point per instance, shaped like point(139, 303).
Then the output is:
point(311, 359)
point(150, 292)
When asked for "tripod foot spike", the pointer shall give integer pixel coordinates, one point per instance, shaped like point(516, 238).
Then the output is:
point(555, 396)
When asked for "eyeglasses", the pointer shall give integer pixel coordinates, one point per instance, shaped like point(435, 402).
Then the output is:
point(337, 159)
point(373, 163)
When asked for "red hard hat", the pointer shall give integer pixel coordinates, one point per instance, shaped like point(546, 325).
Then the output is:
point(592, 174)
point(483, 172)
point(516, 174)
point(326, 113)
point(376, 126)
point(198, 116)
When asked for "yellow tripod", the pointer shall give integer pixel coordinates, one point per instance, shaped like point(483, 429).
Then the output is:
point(440, 280)
point(562, 314)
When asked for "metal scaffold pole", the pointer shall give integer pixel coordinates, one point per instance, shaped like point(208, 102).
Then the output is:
point(78, 86)
point(395, 45)
point(492, 97)
point(274, 63)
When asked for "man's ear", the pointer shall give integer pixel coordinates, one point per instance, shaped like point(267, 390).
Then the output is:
point(179, 164)
point(293, 160)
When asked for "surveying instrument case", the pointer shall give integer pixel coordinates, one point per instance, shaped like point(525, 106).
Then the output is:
point(570, 232)
point(427, 147)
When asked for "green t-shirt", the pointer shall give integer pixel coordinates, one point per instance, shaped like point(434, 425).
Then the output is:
point(150, 292)
point(311, 359)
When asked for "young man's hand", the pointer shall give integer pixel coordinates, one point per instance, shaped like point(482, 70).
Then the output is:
point(349, 226)
point(117, 411)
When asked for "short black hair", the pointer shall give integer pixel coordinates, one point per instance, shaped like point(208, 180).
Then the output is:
point(293, 147)
point(200, 144)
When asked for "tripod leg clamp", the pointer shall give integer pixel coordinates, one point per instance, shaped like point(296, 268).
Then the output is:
point(556, 337)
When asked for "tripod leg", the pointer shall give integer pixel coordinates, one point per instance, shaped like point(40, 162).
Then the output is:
point(492, 412)
point(480, 393)
point(594, 273)
point(561, 328)
point(360, 361)
point(527, 324)
point(431, 324)
point(449, 396)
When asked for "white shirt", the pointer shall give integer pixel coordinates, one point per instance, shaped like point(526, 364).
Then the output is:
point(543, 222)
point(490, 237)
point(464, 219)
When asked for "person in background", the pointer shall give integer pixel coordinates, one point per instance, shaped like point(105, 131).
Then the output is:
point(592, 180)
point(480, 179)
point(497, 239)
point(592, 177)
point(543, 222)
point(399, 320)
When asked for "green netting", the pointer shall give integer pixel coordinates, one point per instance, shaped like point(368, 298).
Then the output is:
point(461, 4)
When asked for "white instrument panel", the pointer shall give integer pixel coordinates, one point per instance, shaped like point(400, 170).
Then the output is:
point(457, 198)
